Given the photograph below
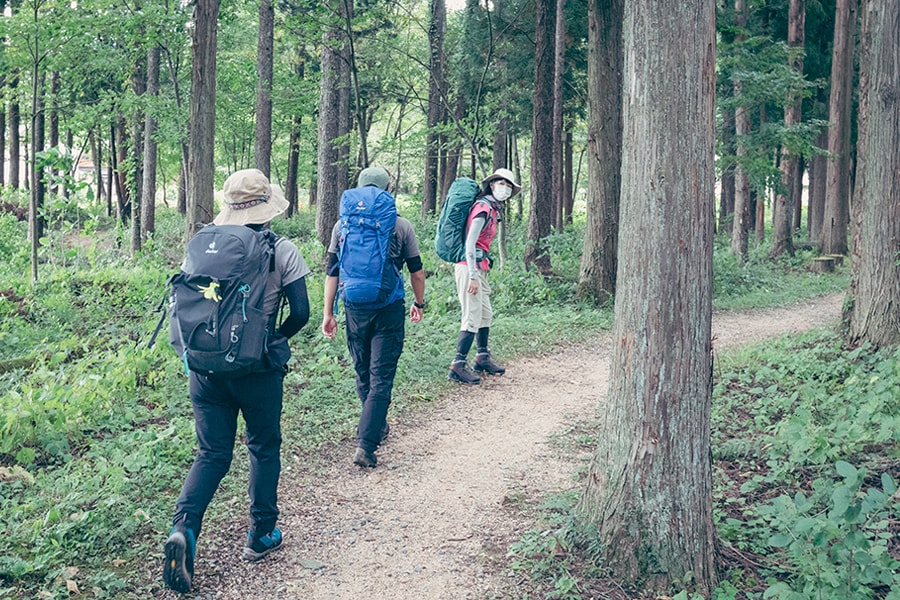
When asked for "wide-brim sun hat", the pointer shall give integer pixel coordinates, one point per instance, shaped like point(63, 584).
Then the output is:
point(501, 174)
point(250, 199)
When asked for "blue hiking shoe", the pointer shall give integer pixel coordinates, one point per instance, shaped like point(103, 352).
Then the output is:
point(178, 570)
point(261, 546)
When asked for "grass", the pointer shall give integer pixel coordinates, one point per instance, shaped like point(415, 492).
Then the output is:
point(806, 457)
point(96, 432)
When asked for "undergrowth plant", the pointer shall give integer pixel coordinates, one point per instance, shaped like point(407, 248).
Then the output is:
point(96, 427)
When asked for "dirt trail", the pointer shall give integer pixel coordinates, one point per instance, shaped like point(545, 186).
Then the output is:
point(433, 520)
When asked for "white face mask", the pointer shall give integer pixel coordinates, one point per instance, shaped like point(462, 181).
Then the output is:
point(501, 192)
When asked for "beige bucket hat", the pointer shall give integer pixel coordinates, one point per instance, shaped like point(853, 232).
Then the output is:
point(501, 174)
point(250, 199)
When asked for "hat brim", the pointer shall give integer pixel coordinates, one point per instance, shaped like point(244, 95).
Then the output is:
point(257, 214)
point(486, 183)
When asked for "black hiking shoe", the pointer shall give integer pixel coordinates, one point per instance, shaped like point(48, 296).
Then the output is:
point(461, 373)
point(178, 570)
point(484, 364)
point(365, 459)
point(261, 546)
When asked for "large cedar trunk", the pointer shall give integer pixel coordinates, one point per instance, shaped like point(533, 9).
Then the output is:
point(148, 188)
point(874, 315)
point(726, 199)
point(816, 207)
point(436, 28)
point(599, 257)
point(542, 149)
point(329, 183)
point(201, 169)
point(740, 227)
point(15, 142)
point(559, 65)
point(262, 151)
point(785, 202)
point(648, 495)
point(837, 189)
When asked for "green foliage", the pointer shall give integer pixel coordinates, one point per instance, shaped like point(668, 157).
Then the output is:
point(758, 281)
point(100, 426)
point(787, 416)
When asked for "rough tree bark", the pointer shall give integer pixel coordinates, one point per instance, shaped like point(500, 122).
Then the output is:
point(648, 495)
point(785, 203)
point(262, 149)
point(740, 227)
point(541, 185)
point(437, 26)
point(837, 185)
point(597, 279)
point(329, 182)
point(201, 168)
point(874, 315)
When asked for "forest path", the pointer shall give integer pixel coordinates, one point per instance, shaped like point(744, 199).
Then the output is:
point(435, 518)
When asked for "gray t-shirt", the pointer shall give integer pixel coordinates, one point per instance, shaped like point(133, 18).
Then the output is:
point(289, 267)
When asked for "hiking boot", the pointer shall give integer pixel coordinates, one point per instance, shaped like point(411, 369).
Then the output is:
point(484, 364)
point(461, 373)
point(364, 458)
point(178, 570)
point(261, 546)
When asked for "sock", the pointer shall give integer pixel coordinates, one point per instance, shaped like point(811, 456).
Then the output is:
point(463, 344)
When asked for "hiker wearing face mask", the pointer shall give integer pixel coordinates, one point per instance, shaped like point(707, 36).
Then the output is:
point(471, 278)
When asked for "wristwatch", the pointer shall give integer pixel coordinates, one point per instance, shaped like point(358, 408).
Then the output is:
point(417, 305)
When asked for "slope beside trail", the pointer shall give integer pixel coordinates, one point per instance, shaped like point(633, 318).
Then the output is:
point(435, 518)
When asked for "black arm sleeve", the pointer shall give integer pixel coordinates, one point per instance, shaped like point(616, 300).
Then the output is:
point(298, 301)
point(414, 263)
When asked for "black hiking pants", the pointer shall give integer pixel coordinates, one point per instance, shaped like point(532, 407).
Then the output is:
point(375, 341)
point(258, 397)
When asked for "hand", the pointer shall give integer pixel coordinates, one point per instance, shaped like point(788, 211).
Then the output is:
point(415, 313)
point(329, 326)
point(473, 287)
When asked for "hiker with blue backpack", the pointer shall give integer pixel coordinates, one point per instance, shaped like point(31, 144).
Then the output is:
point(369, 245)
point(223, 306)
point(472, 286)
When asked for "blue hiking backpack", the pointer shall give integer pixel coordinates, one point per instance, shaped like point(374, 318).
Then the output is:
point(369, 278)
point(217, 324)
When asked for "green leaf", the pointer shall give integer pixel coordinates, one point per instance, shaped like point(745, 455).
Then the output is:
point(845, 469)
point(780, 540)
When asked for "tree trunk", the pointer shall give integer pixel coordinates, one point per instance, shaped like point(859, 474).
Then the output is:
point(648, 496)
point(201, 169)
point(542, 149)
point(787, 200)
point(53, 126)
point(262, 153)
point(291, 191)
point(139, 87)
point(330, 184)
point(874, 315)
point(597, 279)
point(568, 182)
point(837, 188)
point(437, 27)
point(148, 187)
point(726, 198)
point(2, 134)
point(740, 227)
point(15, 142)
point(816, 208)
point(559, 65)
